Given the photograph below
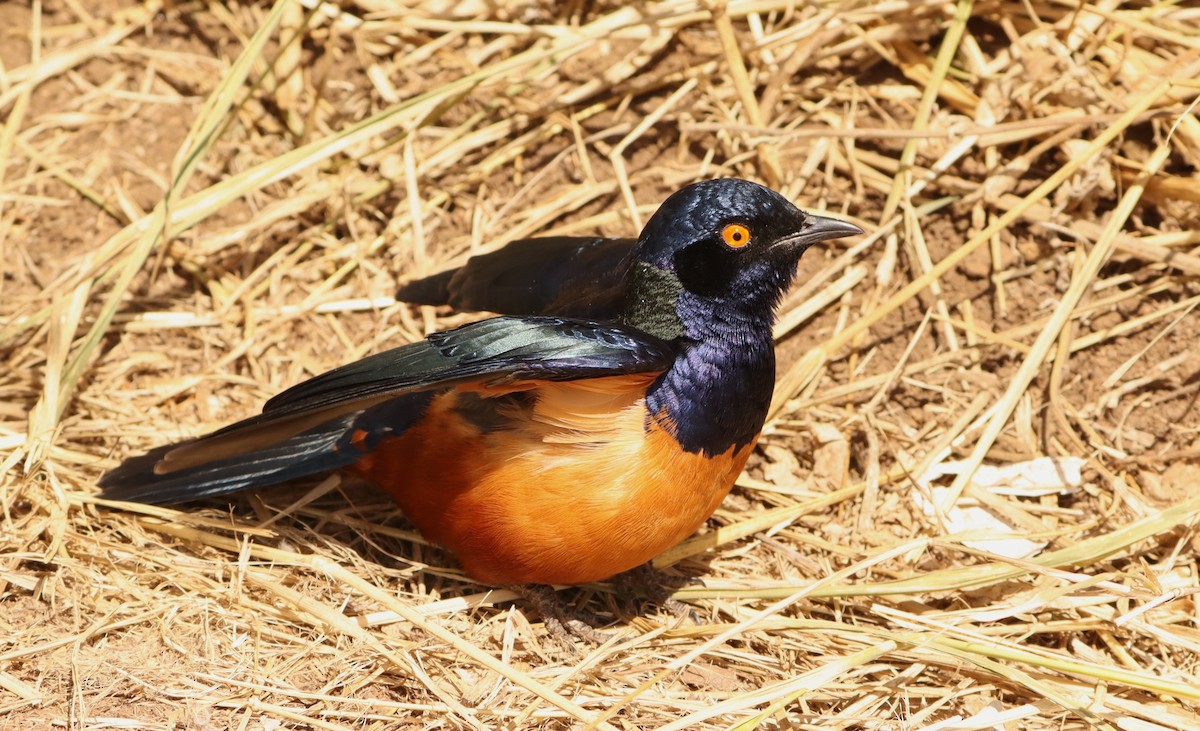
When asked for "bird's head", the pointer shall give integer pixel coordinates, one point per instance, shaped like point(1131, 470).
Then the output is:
point(723, 248)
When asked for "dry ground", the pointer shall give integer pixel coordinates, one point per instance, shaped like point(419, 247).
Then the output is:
point(203, 203)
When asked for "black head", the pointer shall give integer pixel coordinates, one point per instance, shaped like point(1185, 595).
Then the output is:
point(726, 248)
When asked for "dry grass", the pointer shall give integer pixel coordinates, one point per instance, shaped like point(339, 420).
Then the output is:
point(201, 204)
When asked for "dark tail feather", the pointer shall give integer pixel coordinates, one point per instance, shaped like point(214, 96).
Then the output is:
point(431, 290)
point(566, 276)
point(325, 448)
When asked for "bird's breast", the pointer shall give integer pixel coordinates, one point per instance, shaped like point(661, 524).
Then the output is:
point(570, 483)
point(718, 392)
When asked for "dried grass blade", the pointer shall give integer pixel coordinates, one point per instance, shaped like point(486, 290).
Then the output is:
point(1080, 284)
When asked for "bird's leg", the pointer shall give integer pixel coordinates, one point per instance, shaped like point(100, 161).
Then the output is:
point(556, 616)
point(650, 584)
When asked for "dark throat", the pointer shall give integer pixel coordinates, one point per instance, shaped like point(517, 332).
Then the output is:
point(717, 393)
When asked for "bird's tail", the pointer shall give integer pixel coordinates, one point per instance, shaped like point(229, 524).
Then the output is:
point(143, 480)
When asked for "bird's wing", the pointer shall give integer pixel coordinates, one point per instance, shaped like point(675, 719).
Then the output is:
point(497, 354)
point(558, 275)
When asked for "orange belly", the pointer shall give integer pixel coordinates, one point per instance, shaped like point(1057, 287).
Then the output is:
point(551, 498)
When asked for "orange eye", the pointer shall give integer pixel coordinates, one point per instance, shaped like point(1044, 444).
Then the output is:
point(736, 235)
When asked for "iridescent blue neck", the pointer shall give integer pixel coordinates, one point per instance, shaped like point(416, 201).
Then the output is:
point(717, 393)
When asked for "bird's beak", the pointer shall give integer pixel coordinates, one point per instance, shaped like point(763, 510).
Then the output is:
point(816, 229)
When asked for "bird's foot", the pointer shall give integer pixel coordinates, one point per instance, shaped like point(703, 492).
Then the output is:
point(653, 585)
point(565, 628)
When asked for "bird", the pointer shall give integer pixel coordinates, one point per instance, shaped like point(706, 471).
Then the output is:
point(597, 420)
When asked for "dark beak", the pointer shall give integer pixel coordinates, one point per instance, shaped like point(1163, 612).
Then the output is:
point(816, 229)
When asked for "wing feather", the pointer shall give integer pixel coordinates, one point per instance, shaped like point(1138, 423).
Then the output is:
point(497, 354)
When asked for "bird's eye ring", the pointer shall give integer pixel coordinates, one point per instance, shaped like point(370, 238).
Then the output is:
point(735, 235)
